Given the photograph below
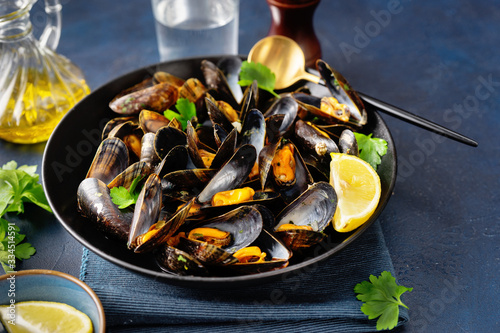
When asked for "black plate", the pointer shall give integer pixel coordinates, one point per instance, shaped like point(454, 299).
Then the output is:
point(71, 148)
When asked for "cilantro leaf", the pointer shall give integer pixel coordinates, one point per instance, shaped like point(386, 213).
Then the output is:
point(371, 149)
point(265, 78)
point(187, 111)
point(123, 197)
point(382, 298)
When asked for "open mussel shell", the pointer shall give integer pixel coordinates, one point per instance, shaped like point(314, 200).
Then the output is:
point(231, 67)
point(250, 99)
point(174, 261)
point(314, 208)
point(303, 179)
point(131, 134)
point(115, 122)
point(194, 90)
point(125, 179)
point(216, 81)
point(343, 92)
point(176, 159)
point(147, 210)
point(94, 202)
point(232, 174)
point(184, 185)
point(286, 106)
point(216, 115)
point(196, 148)
point(226, 150)
point(315, 146)
point(151, 121)
point(277, 256)
point(167, 138)
point(244, 224)
point(269, 199)
point(111, 159)
point(311, 104)
point(163, 229)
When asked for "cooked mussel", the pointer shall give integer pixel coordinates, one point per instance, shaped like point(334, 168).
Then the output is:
point(94, 202)
point(111, 158)
point(147, 232)
point(348, 143)
point(216, 81)
point(302, 222)
point(167, 138)
point(158, 98)
point(151, 121)
point(140, 170)
point(265, 254)
point(232, 231)
point(232, 174)
point(231, 67)
point(174, 261)
point(343, 92)
point(286, 106)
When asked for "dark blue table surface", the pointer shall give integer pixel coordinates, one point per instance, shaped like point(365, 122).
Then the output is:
point(439, 59)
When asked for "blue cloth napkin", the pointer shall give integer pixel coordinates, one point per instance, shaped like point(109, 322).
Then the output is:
point(319, 300)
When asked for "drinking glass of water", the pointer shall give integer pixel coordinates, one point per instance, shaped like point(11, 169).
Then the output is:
point(189, 28)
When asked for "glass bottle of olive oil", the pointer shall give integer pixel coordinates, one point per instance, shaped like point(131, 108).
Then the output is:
point(37, 85)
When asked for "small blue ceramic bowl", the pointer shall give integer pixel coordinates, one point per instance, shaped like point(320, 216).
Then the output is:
point(52, 286)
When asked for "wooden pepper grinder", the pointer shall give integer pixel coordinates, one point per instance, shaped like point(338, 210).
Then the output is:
point(294, 19)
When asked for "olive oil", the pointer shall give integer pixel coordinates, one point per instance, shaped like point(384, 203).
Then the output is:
point(37, 85)
point(33, 118)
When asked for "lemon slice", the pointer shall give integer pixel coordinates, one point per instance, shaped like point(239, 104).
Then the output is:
point(358, 190)
point(39, 316)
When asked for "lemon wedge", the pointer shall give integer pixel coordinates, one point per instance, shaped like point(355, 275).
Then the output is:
point(358, 190)
point(40, 316)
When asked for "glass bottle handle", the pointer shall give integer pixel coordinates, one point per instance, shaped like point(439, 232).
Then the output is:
point(52, 32)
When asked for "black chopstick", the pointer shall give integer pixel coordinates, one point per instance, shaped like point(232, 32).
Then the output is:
point(416, 120)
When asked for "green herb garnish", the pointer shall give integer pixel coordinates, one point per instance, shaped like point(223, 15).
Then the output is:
point(17, 186)
point(181, 258)
point(382, 298)
point(186, 109)
point(371, 149)
point(265, 78)
point(124, 198)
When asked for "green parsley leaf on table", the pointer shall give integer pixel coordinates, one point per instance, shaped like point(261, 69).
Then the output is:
point(265, 78)
point(11, 236)
point(371, 149)
point(123, 197)
point(186, 109)
point(382, 298)
point(17, 186)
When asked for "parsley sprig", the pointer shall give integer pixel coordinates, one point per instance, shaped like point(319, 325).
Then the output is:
point(124, 198)
point(17, 186)
point(186, 111)
point(371, 149)
point(265, 78)
point(382, 298)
